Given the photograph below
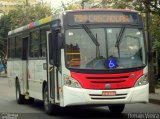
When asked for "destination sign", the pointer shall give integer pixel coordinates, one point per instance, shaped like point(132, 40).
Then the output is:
point(74, 18)
point(102, 18)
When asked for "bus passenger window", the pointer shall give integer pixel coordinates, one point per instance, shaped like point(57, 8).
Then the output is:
point(11, 48)
point(34, 44)
point(18, 47)
point(43, 42)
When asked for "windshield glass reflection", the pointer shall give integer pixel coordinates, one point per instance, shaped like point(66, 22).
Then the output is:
point(103, 48)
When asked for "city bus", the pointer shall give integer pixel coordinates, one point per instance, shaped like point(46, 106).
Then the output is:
point(92, 57)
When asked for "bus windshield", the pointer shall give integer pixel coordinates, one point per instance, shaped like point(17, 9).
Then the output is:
point(118, 48)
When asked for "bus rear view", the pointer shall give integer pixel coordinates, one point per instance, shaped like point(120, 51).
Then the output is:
point(105, 59)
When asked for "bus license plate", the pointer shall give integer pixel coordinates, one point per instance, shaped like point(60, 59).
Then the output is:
point(108, 93)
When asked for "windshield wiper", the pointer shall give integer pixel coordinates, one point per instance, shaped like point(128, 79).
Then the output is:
point(93, 38)
point(119, 38)
point(90, 34)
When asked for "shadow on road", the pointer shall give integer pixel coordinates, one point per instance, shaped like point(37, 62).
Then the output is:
point(90, 113)
point(76, 112)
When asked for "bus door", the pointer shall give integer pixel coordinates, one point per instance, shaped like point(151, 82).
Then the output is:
point(52, 77)
point(25, 64)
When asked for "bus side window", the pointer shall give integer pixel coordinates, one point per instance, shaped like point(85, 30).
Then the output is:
point(25, 48)
point(34, 44)
point(43, 41)
point(11, 48)
point(18, 47)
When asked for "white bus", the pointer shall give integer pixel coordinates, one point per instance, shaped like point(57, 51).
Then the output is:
point(81, 57)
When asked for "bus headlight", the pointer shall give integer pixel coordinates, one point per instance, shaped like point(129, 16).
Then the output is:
point(143, 80)
point(69, 81)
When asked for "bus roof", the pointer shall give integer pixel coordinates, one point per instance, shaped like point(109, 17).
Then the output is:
point(31, 25)
point(51, 18)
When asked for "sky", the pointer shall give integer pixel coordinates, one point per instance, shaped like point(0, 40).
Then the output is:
point(58, 3)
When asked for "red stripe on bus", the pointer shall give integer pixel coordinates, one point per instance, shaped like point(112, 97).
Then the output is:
point(99, 81)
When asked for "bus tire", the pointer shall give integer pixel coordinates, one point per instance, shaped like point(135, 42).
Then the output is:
point(19, 97)
point(50, 109)
point(118, 109)
point(30, 101)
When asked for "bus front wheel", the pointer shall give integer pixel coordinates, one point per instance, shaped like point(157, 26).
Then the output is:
point(49, 108)
point(116, 108)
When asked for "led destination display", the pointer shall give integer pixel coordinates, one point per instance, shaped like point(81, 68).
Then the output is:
point(102, 18)
point(75, 18)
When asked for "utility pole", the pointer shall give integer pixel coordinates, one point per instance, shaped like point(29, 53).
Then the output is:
point(151, 77)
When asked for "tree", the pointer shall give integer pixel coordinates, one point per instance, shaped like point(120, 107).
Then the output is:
point(24, 14)
point(21, 15)
point(4, 28)
point(152, 6)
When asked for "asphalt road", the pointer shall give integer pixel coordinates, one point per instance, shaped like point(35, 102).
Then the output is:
point(9, 109)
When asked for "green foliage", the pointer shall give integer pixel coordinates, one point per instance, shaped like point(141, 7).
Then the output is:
point(73, 7)
point(4, 28)
point(21, 15)
point(155, 30)
point(122, 4)
point(24, 14)
point(152, 6)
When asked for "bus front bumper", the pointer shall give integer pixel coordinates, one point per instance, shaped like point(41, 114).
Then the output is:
point(79, 96)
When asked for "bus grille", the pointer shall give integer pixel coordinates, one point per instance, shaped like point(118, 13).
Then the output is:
point(100, 97)
point(117, 79)
point(107, 80)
